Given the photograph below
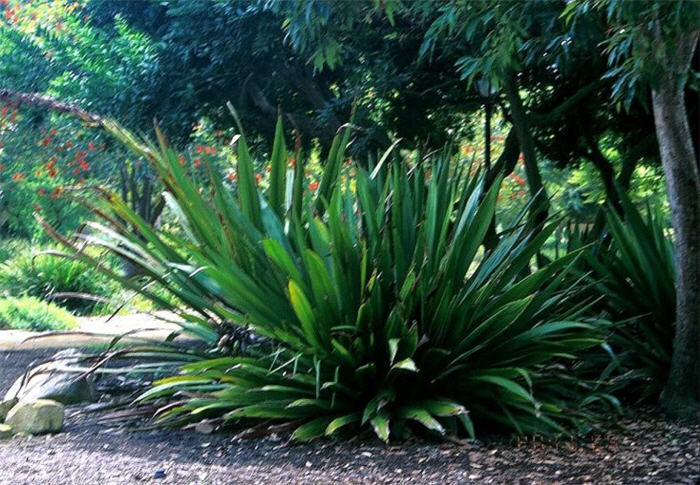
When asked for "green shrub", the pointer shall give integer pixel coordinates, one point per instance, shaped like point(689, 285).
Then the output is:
point(28, 313)
point(46, 276)
point(380, 307)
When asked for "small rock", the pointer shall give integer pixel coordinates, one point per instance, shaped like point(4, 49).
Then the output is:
point(52, 381)
point(159, 474)
point(204, 427)
point(5, 407)
point(5, 431)
point(36, 417)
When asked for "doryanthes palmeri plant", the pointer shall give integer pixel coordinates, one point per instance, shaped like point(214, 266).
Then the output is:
point(378, 305)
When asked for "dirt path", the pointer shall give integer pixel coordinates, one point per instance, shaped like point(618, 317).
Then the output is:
point(92, 331)
point(651, 450)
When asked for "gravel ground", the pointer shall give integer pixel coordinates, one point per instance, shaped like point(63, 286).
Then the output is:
point(649, 450)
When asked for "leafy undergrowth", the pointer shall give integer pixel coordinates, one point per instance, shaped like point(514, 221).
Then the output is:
point(29, 313)
point(71, 284)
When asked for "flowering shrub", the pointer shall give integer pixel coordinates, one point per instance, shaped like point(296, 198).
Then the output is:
point(38, 166)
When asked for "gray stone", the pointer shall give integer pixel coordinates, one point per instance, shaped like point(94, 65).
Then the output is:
point(5, 431)
point(53, 381)
point(36, 417)
point(5, 407)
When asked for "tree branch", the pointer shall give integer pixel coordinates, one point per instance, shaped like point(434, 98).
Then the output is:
point(42, 101)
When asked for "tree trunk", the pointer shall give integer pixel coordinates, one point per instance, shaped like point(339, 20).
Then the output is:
point(538, 211)
point(487, 135)
point(681, 393)
point(504, 165)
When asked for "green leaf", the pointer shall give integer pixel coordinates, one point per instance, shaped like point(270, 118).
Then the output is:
point(313, 429)
point(380, 424)
point(341, 422)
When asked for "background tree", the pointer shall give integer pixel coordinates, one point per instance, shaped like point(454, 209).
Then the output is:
point(652, 44)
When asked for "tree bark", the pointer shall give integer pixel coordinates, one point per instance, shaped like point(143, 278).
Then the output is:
point(539, 209)
point(487, 134)
point(606, 171)
point(504, 165)
point(681, 393)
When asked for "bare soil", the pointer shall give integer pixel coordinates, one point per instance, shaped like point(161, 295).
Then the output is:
point(647, 449)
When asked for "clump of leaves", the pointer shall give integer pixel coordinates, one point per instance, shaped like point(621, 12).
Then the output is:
point(381, 307)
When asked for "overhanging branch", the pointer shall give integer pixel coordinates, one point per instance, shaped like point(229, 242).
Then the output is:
point(47, 102)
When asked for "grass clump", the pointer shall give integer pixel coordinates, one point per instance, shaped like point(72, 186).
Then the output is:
point(69, 283)
point(29, 313)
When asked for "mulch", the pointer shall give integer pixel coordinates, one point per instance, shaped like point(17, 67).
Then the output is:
point(646, 449)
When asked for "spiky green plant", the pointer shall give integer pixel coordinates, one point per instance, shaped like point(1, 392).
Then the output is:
point(636, 279)
point(381, 309)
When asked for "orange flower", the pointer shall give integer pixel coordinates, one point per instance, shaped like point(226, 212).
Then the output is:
point(197, 162)
point(232, 176)
point(313, 185)
point(46, 141)
point(258, 178)
point(207, 150)
point(69, 144)
point(181, 159)
point(199, 149)
point(42, 191)
point(91, 146)
point(53, 132)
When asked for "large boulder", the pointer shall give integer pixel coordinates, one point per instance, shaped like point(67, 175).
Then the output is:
point(5, 431)
point(36, 417)
point(5, 407)
point(53, 380)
